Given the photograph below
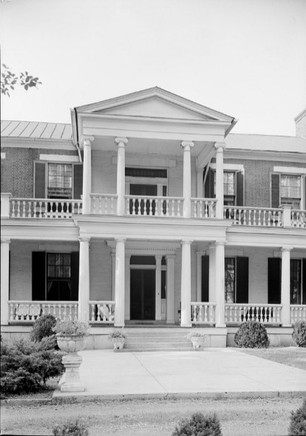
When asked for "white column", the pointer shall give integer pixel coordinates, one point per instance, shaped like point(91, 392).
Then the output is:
point(219, 180)
point(199, 276)
point(187, 145)
point(120, 282)
point(127, 287)
point(219, 283)
point(113, 274)
point(186, 284)
point(200, 187)
point(86, 141)
point(212, 269)
point(121, 142)
point(285, 286)
point(5, 269)
point(158, 259)
point(170, 288)
point(84, 280)
point(5, 204)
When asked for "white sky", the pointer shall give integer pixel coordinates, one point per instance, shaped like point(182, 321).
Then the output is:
point(246, 58)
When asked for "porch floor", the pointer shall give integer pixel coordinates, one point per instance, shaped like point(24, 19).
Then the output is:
point(209, 372)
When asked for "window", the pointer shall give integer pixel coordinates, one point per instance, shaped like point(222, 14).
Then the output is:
point(230, 279)
point(58, 276)
point(59, 180)
point(296, 296)
point(232, 186)
point(164, 278)
point(236, 279)
point(290, 190)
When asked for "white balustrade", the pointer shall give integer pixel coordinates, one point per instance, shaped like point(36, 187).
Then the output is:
point(253, 216)
point(203, 207)
point(202, 313)
point(102, 312)
point(44, 208)
point(104, 204)
point(264, 313)
point(29, 311)
point(154, 206)
point(297, 313)
point(298, 218)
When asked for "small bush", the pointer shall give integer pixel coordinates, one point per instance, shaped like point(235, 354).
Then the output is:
point(298, 421)
point(299, 333)
point(75, 428)
point(43, 327)
point(252, 334)
point(199, 425)
point(68, 328)
point(27, 365)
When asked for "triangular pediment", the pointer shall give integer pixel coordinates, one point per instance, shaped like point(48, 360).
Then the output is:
point(154, 103)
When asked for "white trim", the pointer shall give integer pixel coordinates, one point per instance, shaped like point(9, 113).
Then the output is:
point(289, 170)
point(3, 155)
point(154, 162)
point(58, 158)
point(229, 167)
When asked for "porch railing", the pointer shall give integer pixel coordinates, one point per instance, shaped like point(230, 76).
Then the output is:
point(253, 216)
point(102, 312)
point(203, 207)
point(264, 313)
point(29, 311)
point(44, 208)
point(297, 313)
point(202, 313)
point(298, 218)
point(104, 204)
point(154, 206)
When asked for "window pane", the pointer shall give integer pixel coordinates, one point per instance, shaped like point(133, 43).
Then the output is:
point(290, 186)
point(59, 180)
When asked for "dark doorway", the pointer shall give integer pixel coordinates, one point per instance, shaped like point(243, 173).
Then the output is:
point(143, 207)
point(142, 294)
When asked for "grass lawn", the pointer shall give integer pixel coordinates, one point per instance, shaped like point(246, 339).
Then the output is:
point(292, 356)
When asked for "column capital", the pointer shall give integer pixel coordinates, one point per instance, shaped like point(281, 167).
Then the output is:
point(186, 241)
point(220, 146)
point(120, 239)
point(187, 145)
point(87, 140)
point(286, 248)
point(84, 239)
point(219, 243)
point(121, 141)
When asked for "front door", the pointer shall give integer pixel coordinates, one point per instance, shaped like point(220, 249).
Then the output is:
point(142, 294)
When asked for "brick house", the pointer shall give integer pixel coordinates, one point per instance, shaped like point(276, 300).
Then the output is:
point(147, 211)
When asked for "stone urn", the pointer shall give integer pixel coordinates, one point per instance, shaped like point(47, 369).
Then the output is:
point(71, 344)
point(118, 343)
point(197, 342)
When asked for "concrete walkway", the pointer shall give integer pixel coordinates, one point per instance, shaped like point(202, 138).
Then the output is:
point(213, 371)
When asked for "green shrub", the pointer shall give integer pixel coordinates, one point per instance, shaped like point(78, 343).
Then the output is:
point(199, 425)
point(43, 327)
point(252, 334)
point(74, 428)
point(298, 421)
point(27, 365)
point(299, 333)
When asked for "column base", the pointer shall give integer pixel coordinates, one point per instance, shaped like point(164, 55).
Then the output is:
point(186, 325)
point(71, 381)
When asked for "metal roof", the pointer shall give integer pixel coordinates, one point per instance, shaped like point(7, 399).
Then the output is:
point(36, 130)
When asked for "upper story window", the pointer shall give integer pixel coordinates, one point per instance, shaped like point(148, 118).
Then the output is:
point(229, 187)
point(59, 180)
point(290, 190)
point(232, 185)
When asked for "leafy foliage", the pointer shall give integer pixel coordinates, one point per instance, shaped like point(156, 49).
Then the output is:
point(43, 327)
point(199, 425)
point(298, 421)
point(67, 328)
point(117, 334)
point(75, 428)
point(10, 80)
point(299, 333)
point(27, 365)
point(252, 334)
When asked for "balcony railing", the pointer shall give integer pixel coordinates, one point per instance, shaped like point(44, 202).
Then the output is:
point(297, 313)
point(203, 207)
point(298, 218)
point(102, 312)
point(29, 311)
point(202, 313)
point(104, 204)
point(253, 216)
point(154, 206)
point(44, 208)
point(264, 313)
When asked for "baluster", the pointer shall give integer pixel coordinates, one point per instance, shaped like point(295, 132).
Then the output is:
point(18, 208)
point(92, 313)
point(11, 311)
point(133, 206)
point(112, 205)
point(127, 206)
point(194, 313)
point(150, 207)
point(167, 207)
point(173, 212)
point(205, 313)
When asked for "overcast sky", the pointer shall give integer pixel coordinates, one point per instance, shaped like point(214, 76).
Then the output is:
point(246, 58)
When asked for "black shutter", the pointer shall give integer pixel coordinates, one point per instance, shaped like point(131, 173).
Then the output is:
point(242, 280)
point(274, 280)
point(239, 180)
point(38, 275)
point(40, 180)
point(209, 184)
point(304, 280)
point(275, 199)
point(74, 275)
point(77, 181)
point(205, 279)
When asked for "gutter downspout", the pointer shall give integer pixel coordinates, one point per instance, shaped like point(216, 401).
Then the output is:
point(74, 116)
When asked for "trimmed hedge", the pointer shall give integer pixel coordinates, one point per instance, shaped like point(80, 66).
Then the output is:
point(252, 334)
point(199, 425)
point(27, 365)
point(43, 327)
point(299, 333)
point(298, 421)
